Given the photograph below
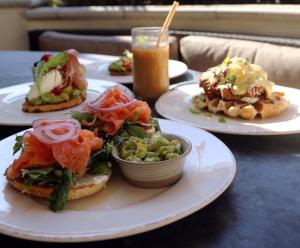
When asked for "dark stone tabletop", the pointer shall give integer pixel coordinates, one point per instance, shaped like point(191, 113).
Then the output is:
point(261, 208)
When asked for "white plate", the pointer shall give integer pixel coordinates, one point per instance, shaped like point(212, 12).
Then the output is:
point(121, 209)
point(12, 98)
point(176, 68)
point(286, 123)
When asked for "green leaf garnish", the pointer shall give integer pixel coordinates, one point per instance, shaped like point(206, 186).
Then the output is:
point(154, 123)
point(61, 179)
point(232, 79)
point(101, 169)
point(226, 61)
point(136, 131)
point(120, 138)
point(100, 158)
point(222, 119)
point(133, 129)
point(195, 111)
point(80, 116)
point(60, 193)
point(19, 146)
point(41, 176)
point(202, 97)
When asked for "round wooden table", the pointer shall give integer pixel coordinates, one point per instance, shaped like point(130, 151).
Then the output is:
point(261, 208)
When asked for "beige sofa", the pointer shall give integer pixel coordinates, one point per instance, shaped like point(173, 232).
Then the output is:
point(282, 63)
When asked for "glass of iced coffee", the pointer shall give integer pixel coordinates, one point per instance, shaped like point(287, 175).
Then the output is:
point(150, 48)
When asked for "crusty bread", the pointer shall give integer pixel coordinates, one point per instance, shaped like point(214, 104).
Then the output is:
point(120, 73)
point(91, 185)
point(29, 107)
point(263, 109)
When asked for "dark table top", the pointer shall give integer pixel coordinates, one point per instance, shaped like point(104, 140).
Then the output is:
point(261, 208)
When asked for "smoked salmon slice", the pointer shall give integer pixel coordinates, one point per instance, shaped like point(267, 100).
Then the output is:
point(72, 154)
point(114, 107)
point(36, 154)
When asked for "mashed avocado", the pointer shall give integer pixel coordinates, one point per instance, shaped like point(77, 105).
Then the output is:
point(150, 149)
point(66, 94)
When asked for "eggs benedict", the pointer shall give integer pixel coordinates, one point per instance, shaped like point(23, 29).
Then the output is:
point(239, 89)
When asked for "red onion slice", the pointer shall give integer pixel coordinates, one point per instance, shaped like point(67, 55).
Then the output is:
point(116, 107)
point(44, 130)
point(40, 122)
point(95, 105)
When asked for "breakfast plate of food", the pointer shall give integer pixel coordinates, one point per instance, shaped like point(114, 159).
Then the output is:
point(120, 70)
point(234, 97)
point(113, 168)
point(59, 86)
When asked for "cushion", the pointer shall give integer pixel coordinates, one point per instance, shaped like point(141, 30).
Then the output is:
point(109, 45)
point(280, 62)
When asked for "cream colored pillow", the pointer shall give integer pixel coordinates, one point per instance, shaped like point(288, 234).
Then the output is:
point(282, 63)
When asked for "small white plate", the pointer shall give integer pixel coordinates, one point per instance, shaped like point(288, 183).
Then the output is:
point(285, 123)
point(120, 209)
point(176, 68)
point(12, 98)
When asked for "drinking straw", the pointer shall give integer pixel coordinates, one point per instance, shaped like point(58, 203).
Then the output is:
point(168, 21)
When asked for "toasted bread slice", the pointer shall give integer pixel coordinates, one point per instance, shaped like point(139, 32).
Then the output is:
point(86, 187)
point(29, 107)
point(263, 109)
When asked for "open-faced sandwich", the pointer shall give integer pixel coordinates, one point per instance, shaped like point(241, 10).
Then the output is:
point(239, 89)
point(59, 83)
point(122, 66)
point(114, 111)
point(59, 161)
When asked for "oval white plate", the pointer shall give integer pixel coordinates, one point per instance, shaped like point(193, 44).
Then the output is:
point(12, 98)
point(121, 209)
point(285, 123)
point(176, 68)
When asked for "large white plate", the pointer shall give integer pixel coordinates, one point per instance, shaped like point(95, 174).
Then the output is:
point(286, 123)
point(12, 98)
point(176, 68)
point(121, 209)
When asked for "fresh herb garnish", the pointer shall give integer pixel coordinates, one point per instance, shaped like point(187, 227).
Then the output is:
point(98, 163)
point(101, 169)
point(133, 129)
point(40, 176)
point(80, 116)
point(61, 190)
point(195, 111)
point(136, 131)
point(154, 123)
point(232, 79)
point(61, 179)
point(120, 138)
point(226, 61)
point(19, 145)
point(202, 97)
point(222, 119)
